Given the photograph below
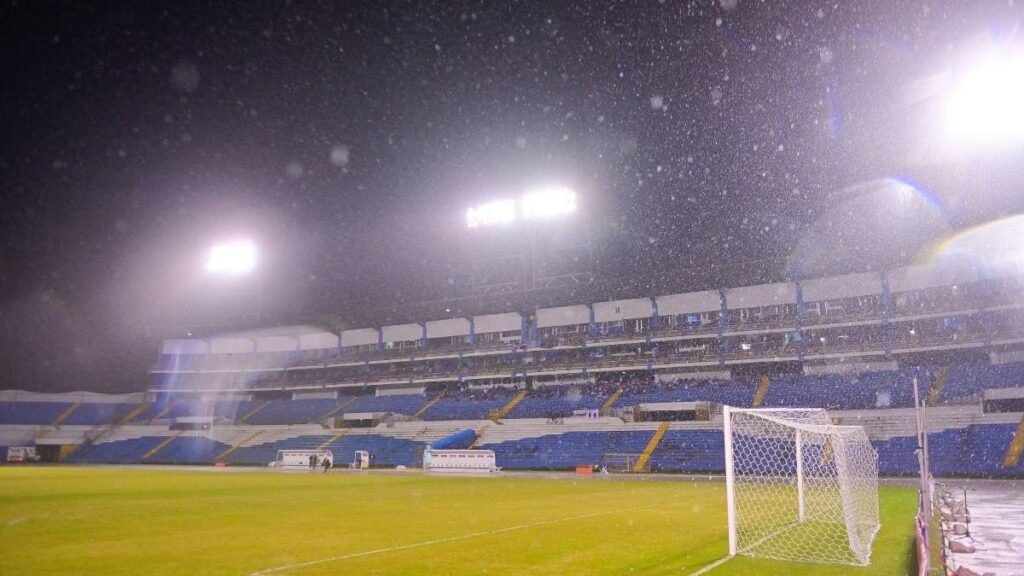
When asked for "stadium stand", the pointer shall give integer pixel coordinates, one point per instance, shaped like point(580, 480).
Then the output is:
point(189, 449)
point(468, 406)
point(95, 414)
point(968, 380)
point(289, 411)
point(40, 413)
point(126, 451)
point(721, 391)
point(407, 404)
point(567, 450)
point(559, 400)
point(573, 384)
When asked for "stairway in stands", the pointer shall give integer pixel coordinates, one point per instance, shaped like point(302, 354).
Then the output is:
point(479, 435)
point(762, 389)
point(167, 410)
point(242, 443)
point(427, 406)
point(935, 392)
point(64, 415)
point(644, 458)
point(156, 449)
point(1013, 453)
point(611, 401)
point(337, 409)
point(501, 412)
point(332, 439)
point(253, 412)
point(134, 413)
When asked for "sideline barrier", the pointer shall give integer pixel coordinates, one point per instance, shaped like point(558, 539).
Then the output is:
point(456, 461)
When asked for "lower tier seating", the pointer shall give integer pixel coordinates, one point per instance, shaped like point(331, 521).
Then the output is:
point(41, 413)
point(976, 450)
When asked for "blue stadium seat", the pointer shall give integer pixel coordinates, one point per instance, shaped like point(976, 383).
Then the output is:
point(39, 413)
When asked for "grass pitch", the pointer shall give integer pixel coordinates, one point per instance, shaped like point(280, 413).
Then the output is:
point(139, 521)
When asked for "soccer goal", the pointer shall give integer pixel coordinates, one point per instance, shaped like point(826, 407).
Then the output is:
point(622, 461)
point(799, 487)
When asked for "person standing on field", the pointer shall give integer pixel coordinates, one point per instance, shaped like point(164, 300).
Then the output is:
point(327, 464)
point(312, 461)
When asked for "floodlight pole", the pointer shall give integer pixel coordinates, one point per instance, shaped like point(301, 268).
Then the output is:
point(730, 499)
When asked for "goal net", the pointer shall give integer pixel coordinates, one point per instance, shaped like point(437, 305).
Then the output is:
point(799, 487)
point(622, 461)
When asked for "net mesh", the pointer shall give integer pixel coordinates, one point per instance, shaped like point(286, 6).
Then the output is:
point(621, 461)
point(803, 488)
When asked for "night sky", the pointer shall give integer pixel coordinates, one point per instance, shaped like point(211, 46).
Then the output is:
point(711, 144)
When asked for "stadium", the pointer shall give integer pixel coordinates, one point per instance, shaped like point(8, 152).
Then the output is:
point(631, 387)
point(440, 298)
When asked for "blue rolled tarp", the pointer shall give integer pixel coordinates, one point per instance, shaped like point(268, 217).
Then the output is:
point(459, 441)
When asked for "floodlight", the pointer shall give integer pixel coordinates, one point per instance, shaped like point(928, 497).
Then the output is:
point(549, 202)
point(499, 212)
point(985, 106)
point(232, 259)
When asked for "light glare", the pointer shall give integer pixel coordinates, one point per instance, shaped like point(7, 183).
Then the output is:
point(985, 107)
point(500, 212)
point(550, 202)
point(231, 259)
point(541, 204)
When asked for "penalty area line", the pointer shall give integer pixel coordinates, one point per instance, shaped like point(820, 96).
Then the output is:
point(713, 565)
point(444, 540)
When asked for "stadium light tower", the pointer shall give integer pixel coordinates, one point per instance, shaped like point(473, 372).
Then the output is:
point(233, 259)
point(539, 204)
point(984, 108)
point(235, 283)
point(535, 241)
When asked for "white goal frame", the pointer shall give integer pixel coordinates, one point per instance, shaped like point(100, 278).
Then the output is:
point(799, 487)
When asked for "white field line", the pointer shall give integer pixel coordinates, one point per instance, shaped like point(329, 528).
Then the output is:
point(445, 540)
point(713, 565)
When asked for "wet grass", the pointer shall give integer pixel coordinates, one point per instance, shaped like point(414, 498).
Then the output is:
point(135, 521)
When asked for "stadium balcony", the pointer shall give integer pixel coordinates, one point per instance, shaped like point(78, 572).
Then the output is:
point(924, 305)
point(811, 348)
point(757, 323)
point(813, 318)
point(683, 328)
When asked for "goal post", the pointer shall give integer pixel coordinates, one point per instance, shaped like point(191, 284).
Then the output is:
point(799, 487)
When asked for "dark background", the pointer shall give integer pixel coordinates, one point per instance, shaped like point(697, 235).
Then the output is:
point(711, 144)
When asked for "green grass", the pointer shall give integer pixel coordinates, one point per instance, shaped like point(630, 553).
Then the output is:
point(125, 521)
